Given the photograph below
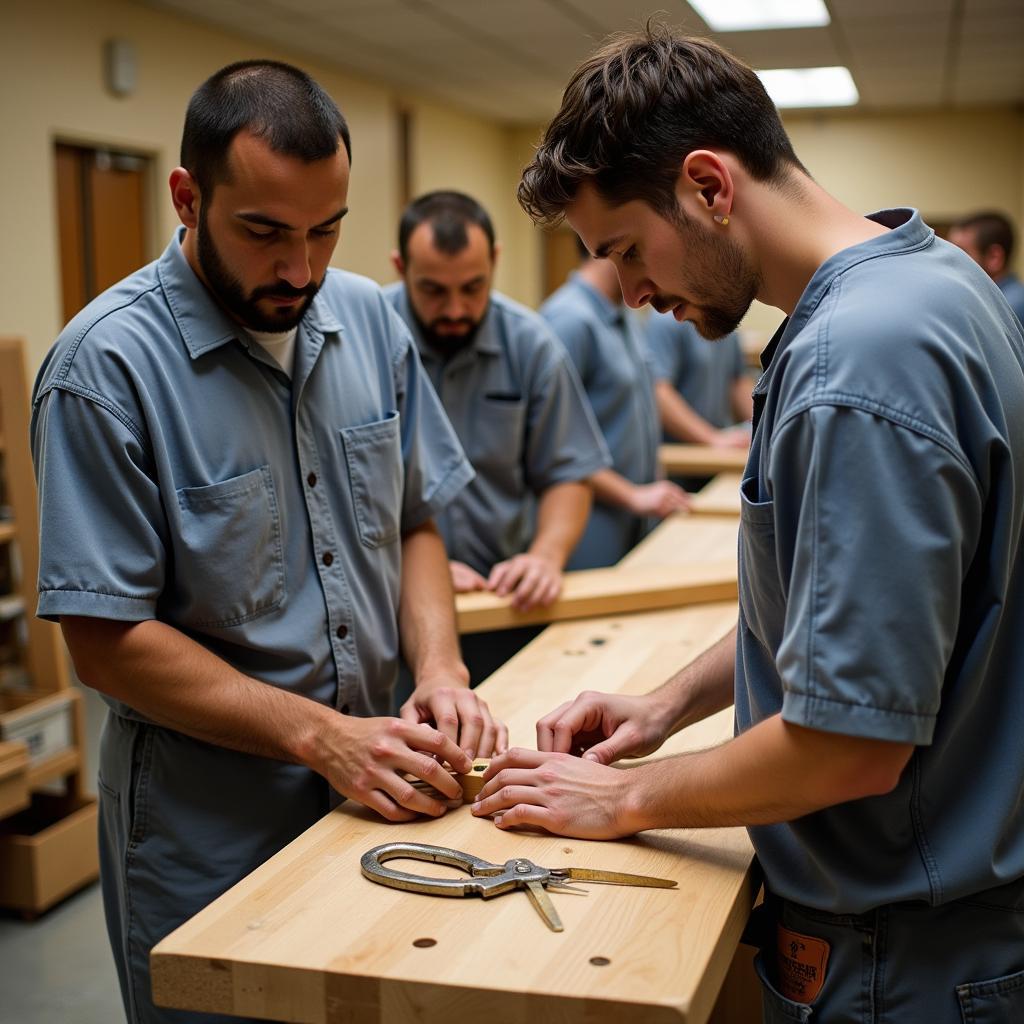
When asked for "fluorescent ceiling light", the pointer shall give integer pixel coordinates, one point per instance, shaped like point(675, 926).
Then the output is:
point(810, 87)
point(737, 15)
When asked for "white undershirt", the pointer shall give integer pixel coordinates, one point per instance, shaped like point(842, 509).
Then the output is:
point(279, 345)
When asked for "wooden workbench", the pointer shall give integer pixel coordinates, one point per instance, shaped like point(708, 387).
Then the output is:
point(700, 459)
point(307, 938)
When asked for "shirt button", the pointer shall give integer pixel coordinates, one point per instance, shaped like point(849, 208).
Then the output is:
point(342, 632)
point(345, 709)
point(311, 479)
point(328, 558)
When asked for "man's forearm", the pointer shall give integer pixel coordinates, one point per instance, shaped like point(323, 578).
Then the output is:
point(426, 610)
point(561, 519)
point(611, 488)
point(702, 688)
point(177, 683)
point(678, 418)
point(773, 772)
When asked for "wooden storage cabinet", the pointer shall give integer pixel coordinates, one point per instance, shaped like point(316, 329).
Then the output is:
point(47, 851)
point(14, 791)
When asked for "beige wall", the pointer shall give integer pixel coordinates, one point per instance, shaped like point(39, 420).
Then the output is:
point(51, 88)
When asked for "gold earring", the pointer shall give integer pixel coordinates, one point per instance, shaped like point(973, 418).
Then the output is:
point(720, 219)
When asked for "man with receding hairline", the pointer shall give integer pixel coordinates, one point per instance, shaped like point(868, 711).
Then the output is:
point(988, 238)
point(239, 462)
point(876, 665)
point(516, 404)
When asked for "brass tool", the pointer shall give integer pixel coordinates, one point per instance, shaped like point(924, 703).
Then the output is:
point(487, 879)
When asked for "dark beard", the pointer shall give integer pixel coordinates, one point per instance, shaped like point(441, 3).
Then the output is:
point(721, 315)
point(447, 345)
point(231, 294)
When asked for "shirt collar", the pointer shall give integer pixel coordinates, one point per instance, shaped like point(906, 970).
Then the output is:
point(611, 313)
point(486, 340)
point(907, 233)
point(203, 324)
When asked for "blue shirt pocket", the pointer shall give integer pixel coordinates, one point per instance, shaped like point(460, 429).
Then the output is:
point(373, 453)
point(762, 601)
point(495, 441)
point(229, 564)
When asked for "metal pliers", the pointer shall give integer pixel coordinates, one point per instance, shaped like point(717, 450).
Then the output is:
point(487, 879)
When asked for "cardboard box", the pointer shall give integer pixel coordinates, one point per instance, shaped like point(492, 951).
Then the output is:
point(48, 851)
point(13, 778)
point(44, 722)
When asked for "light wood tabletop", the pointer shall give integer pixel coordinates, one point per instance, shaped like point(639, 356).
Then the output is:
point(306, 938)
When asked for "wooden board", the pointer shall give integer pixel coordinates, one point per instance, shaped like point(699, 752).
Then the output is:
point(719, 497)
point(591, 592)
point(700, 459)
point(306, 938)
point(682, 538)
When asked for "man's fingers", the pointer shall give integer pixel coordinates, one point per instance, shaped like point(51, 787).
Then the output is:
point(412, 797)
point(506, 796)
point(516, 757)
point(546, 727)
point(501, 741)
point(528, 589)
point(433, 741)
point(472, 714)
point(379, 801)
point(527, 816)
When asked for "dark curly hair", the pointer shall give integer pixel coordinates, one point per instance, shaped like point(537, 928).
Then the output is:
point(635, 109)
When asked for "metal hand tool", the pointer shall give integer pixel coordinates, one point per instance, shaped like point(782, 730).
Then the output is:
point(487, 879)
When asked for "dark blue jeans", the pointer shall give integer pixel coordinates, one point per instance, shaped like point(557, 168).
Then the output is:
point(905, 963)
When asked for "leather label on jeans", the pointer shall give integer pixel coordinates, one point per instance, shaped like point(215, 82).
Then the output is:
point(801, 961)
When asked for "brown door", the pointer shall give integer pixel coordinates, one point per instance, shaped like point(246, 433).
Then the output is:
point(101, 206)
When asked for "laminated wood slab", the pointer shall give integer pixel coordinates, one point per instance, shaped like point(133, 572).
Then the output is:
point(591, 592)
point(307, 938)
point(718, 497)
point(685, 539)
point(700, 459)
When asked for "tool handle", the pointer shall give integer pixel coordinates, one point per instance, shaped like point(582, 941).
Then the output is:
point(484, 878)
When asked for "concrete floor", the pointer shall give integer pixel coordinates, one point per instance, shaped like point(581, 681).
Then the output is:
point(59, 967)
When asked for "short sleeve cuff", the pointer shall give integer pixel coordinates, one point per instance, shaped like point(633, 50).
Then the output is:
point(572, 472)
point(55, 603)
point(453, 482)
point(861, 720)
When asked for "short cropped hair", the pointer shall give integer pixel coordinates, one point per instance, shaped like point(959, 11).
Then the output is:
point(990, 228)
point(449, 214)
point(632, 113)
point(275, 101)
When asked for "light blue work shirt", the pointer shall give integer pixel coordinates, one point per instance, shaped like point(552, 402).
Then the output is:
point(184, 477)
point(702, 371)
point(610, 356)
point(1013, 291)
point(519, 410)
point(881, 579)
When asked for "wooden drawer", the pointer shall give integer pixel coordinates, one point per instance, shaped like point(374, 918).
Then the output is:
point(48, 851)
point(13, 778)
point(44, 722)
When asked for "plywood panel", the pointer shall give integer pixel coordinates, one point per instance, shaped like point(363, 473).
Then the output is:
point(700, 459)
point(720, 497)
point(591, 592)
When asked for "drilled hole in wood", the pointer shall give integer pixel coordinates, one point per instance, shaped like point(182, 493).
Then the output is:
point(566, 849)
point(424, 943)
point(600, 961)
point(573, 654)
point(479, 767)
point(598, 640)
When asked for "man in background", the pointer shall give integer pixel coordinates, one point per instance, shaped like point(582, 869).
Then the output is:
point(988, 238)
point(606, 345)
point(701, 387)
point(516, 404)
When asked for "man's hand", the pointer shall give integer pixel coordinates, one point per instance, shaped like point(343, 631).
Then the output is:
point(532, 580)
point(562, 794)
point(604, 727)
point(460, 715)
point(659, 499)
point(731, 437)
point(466, 579)
point(365, 759)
